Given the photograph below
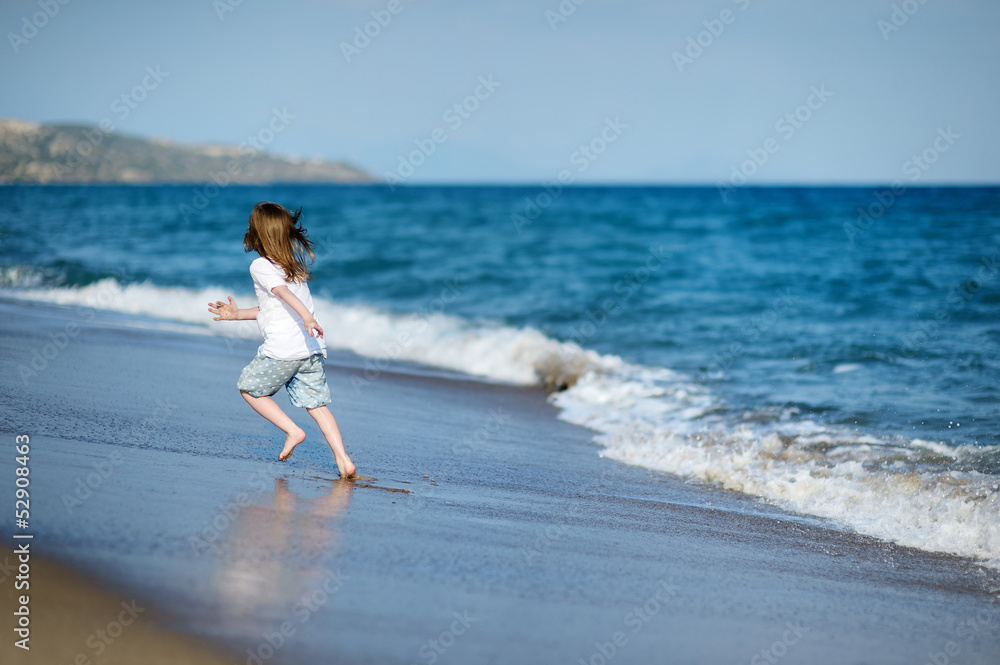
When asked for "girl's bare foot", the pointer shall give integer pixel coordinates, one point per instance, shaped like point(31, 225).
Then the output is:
point(346, 468)
point(294, 438)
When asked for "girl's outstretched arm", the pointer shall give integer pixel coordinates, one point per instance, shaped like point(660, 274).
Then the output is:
point(308, 320)
point(230, 312)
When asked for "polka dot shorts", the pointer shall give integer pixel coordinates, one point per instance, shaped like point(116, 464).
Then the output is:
point(305, 380)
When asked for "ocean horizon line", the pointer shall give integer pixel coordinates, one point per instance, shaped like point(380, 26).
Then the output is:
point(638, 184)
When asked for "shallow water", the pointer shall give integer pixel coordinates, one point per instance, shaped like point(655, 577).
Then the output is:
point(777, 343)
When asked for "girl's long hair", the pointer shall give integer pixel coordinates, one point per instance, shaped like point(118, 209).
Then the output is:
point(276, 234)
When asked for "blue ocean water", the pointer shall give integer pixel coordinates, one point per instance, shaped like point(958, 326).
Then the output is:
point(838, 342)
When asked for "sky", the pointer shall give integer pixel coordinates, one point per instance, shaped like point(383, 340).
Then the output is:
point(609, 91)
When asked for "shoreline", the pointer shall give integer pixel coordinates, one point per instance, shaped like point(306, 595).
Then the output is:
point(76, 619)
point(510, 520)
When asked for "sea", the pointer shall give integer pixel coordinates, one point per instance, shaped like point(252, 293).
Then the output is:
point(831, 350)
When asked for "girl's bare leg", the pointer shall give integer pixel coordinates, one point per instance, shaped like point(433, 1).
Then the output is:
point(328, 425)
point(267, 407)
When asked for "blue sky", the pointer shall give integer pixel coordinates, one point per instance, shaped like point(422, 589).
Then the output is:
point(559, 83)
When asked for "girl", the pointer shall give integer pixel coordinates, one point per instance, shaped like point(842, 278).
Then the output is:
point(294, 349)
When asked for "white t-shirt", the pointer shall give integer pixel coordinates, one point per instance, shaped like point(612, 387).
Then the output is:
point(285, 336)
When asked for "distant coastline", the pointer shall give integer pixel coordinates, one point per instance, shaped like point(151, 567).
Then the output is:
point(32, 153)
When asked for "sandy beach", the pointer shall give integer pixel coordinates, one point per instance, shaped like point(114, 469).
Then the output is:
point(484, 529)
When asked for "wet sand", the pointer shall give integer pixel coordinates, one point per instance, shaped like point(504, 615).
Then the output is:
point(514, 542)
point(75, 620)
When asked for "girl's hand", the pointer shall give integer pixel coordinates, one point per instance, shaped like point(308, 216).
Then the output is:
point(224, 311)
point(310, 325)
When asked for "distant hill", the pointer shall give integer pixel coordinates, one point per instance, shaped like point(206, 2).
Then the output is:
point(53, 154)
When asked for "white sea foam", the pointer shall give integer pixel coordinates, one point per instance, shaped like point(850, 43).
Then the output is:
point(916, 493)
point(875, 487)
